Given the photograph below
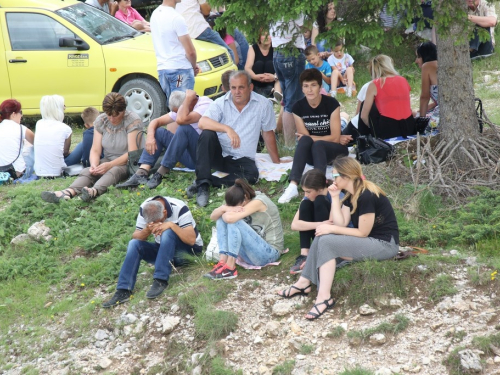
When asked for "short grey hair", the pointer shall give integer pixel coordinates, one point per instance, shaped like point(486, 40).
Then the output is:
point(239, 73)
point(152, 211)
point(176, 99)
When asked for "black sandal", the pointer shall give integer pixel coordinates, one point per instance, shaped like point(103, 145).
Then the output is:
point(88, 194)
point(51, 197)
point(302, 292)
point(319, 313)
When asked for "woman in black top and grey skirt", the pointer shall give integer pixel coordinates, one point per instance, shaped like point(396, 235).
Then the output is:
point(375, 234)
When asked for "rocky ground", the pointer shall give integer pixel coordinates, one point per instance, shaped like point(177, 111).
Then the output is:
point(272, 330)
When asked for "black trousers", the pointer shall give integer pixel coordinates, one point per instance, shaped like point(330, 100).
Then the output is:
point(318, 154)
point(386, 127)
point(313, 212)
point(482, 48)
point(209, 156)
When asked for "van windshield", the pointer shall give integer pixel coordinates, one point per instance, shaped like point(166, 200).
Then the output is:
point(99, 25)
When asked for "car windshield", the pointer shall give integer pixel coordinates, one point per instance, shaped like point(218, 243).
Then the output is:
point(99, 25)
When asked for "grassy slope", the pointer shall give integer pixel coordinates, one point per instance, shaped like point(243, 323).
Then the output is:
point(59, 284)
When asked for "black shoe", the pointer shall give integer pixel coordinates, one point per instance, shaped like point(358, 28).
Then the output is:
point(154, 181)
point(134, 181)
point(202, 195)
point(157, 288)
point(299, 264)
point(121, 296)
point(342, 263)
point(191, 190)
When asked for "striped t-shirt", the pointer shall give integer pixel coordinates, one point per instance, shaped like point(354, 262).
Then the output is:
point(178, 213)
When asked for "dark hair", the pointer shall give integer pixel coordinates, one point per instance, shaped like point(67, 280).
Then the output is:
point(427, 51)
point(113, 104)
point(340, 42)
point(8, 107)
point(237, 193)
point(314, 179)
point(225, 80)
point(311, 75)
point(311, 50)
point(321, 19)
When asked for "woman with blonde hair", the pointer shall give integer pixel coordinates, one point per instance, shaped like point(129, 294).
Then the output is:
point(374, 235)
point(389, 94)
point(115, 133)
point(52, 137)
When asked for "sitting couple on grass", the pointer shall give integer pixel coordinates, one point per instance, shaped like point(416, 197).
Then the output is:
point(374, 235)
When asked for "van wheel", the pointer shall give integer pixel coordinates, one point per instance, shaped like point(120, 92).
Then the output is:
point(145, 97)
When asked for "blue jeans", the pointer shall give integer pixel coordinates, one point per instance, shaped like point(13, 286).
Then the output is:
point(288, 69)
point(170, 248)
point(240, 239)
point(180, 146)
point(175, 80)
point(76, 156)
point(212, 36)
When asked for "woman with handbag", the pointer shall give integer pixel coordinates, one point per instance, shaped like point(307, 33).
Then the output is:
point(390, 93)
point(374, 235)
point(13, 134)
point(317, 118)
point(115, 133)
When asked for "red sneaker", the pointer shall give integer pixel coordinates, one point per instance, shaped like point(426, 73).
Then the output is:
point(211, 274)
point(225, 273)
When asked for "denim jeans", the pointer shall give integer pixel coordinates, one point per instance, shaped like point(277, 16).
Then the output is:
point(180, 146)
point(288, 69)
point(76, 155)
point(483, 48)
point(170, 249)
point(212, 36)
point(240, 239)
point(175, 80)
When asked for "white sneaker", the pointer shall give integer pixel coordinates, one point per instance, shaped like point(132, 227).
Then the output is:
point(290, 192)
point(349, 92)
point(333, 93)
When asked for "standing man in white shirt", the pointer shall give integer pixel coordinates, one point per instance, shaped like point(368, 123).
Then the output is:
point(175, 53)
point(107, 6)
point(194, 12)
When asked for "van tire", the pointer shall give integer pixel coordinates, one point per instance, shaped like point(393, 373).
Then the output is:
point(145, 97)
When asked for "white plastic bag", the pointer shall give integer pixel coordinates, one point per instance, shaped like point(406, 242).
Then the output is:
point(212, 253)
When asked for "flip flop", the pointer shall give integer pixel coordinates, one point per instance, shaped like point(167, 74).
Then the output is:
point(88, 194)
point(317, 315)
point(302, 292)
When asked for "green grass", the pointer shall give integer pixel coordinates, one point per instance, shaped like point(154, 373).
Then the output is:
point(399, 324)
point(284, 368)
point(440, 287)
point(357, 371)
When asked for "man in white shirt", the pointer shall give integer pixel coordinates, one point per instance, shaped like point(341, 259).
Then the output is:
point(194, 12)
point(175, 53)
point(107, 6)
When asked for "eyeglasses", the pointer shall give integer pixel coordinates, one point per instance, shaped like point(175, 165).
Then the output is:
point(21, 112)
point(335, 175)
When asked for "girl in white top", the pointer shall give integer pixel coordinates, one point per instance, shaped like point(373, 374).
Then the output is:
point(13, 134)
point(52, 137)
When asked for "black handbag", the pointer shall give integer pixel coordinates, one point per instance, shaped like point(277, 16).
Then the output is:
point(134, 156)
point(371, 150)
point(9, 168)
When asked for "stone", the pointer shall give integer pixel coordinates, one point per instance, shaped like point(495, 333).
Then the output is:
point(258, 340)
point(263, 370)
point(300, 357)
point(139, 327)
point(39, 231)
point(366, 310)
point(272, 328)
point(101, 344)
point(20, 239)
point(127, 330)
point(415, 369)
point(487, 78)
point(197, 370)
point(295, 343)
point(426, 360)
point(295, 328)
point(105, 362)
point(63, 335)
point(195, 358)
point(383, 371)
point(454, 252)
point(169, 323)
point(470, 361)
point(128, 319)
point(496, 359)
point(436, 326)
point(444, 305)
point(382, 301)
point(355, 341)
point(378, 339)
point(282, 308)
point(175, 308)
point(471, 261)
point(101, 335)
point(395, 303)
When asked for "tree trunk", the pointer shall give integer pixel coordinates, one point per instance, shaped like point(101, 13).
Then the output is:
point(457, 113)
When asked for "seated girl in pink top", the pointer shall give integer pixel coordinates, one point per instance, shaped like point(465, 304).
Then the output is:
point(130, 16)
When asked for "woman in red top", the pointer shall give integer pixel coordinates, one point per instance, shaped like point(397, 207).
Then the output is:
point(387, 104)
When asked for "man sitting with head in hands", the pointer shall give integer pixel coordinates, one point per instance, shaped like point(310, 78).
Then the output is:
point(230, 132)
point(174, 229)
point(179, 144)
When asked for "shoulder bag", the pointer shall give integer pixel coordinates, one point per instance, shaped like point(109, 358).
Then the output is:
point(372, 150)
point(9, 168)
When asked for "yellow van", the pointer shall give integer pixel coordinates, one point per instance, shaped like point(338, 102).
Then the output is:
point(69, 48)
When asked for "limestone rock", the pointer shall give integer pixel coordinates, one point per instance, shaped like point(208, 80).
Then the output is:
point(366, 310)
point(20, 238)
point(470, 361)
point(282, 308)
point(101, 335)
point(169, 323)
point(197, 370)
point(39, 231)
point(258, 340)
point(127, 319)
point(383, 371)
point(105, 362)
point(195, 358)
point(272, 328)
point(395, 303)
point(496, 359)
point(378, 339)
point(295, 328)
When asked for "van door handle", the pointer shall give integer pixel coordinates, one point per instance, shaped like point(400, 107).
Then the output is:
point(17, 61)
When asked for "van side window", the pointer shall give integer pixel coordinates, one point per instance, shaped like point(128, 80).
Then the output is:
point(32, 31)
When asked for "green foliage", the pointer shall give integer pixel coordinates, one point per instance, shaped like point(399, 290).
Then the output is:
point(399, 324)
point(440, 287)
point(212, 324)
point(336, 332)
point(357, 371)
point(306, 349)
point(218, 367)
point(484, 343)
point(452, 362)
point(284, 368)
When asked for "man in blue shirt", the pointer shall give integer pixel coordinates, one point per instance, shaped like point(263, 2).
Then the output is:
point(230, 132)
